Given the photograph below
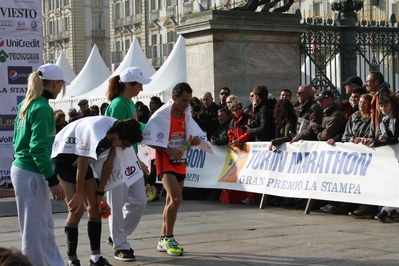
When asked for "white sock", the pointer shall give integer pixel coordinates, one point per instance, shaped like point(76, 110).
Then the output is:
point(95, 257)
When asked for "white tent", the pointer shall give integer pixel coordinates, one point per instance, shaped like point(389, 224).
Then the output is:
point(62, 62)
point(135, 57)
point(93, 73)
point(173, 71)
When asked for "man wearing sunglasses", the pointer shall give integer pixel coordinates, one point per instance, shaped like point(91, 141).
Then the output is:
point(224, 93)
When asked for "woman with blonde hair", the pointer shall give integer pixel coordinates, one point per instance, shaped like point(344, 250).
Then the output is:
point(32, 171)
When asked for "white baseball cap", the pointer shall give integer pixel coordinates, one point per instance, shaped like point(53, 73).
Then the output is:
point(133, 74)
point(52, 72)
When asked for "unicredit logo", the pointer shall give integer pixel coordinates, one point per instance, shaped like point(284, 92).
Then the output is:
point(6, 23)
point(1, 42)
point(22, 43)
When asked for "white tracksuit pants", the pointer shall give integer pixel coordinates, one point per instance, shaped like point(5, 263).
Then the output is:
point(35, 218)
point(127, 206)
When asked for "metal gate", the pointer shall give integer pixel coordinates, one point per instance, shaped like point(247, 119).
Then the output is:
point(377, 49)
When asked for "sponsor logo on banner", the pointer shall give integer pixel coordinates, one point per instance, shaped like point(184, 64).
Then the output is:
point(34, 43)
point(18, 75)
point(14, 12)
point(21, 25)
point(6, 23)
point(6, 142)
point(33, 25)
point(7, 122)
point(32, 58)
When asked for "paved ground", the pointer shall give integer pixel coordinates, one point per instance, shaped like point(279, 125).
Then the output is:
point(216, 234)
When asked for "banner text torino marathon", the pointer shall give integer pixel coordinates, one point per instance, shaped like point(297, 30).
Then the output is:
point(21, 48)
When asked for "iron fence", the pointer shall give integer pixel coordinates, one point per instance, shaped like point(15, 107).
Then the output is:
point(377, 49)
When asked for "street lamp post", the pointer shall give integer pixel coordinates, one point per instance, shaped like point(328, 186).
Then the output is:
point(347, 20)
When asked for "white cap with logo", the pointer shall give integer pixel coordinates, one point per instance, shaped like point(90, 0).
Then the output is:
point(52, 72)
point(133, 74)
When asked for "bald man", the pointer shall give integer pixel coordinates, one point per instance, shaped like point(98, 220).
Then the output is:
point(211, 109)
point(309, 111)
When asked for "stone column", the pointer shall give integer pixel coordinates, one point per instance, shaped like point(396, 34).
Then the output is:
point(241, 49)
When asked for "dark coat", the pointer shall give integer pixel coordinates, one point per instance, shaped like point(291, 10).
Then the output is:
point(262, 126)
point(212, 125)
point(221, 134)
point(332, 124)
point(312, 112)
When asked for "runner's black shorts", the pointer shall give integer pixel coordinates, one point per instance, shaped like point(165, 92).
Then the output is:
point(67, 172)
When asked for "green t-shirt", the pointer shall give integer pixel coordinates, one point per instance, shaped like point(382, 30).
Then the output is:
point(122, 108)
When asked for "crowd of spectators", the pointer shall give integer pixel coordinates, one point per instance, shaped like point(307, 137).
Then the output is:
point(366, 116)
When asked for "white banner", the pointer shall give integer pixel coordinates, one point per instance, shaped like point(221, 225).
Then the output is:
point(21, 51)
point(345, 172)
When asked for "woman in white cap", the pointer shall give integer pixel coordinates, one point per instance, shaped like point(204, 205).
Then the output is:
point(32, 171)
point(127, 203)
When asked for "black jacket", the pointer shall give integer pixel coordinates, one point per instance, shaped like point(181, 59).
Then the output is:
point(262, 126)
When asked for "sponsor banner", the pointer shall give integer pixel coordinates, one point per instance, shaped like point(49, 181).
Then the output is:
point(21, 50)
point(345, 172)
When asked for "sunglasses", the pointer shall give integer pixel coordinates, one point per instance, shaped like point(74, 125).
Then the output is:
point(224, 93)
point(125, 145)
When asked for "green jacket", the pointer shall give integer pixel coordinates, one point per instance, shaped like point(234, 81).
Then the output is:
point(34, 137)
point(122, 108)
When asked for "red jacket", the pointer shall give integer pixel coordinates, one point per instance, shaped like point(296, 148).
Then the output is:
point(236, 132)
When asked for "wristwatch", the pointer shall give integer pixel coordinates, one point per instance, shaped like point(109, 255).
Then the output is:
point(100, 193)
